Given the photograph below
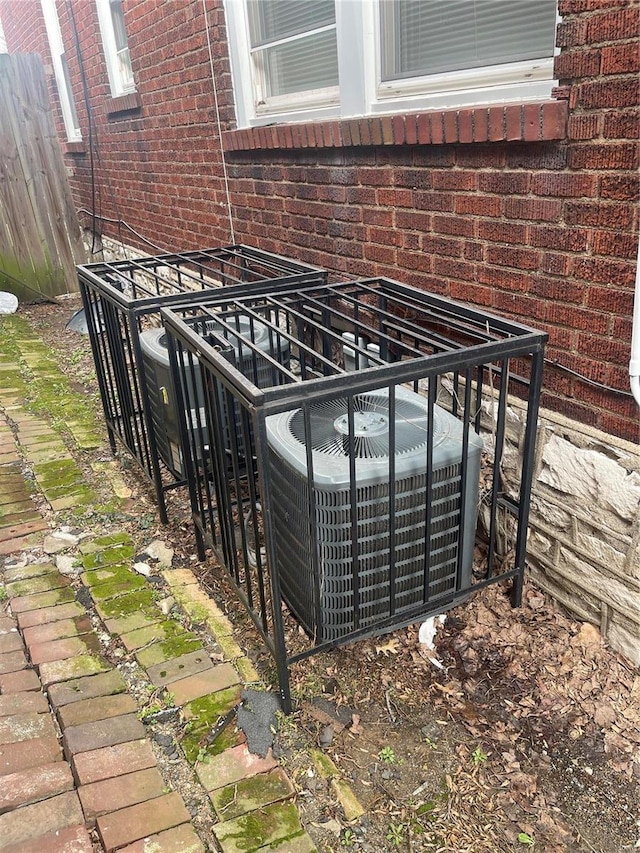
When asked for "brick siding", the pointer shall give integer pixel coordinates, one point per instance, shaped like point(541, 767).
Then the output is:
point(528, 210)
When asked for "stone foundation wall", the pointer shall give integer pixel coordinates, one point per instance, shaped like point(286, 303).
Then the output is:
point(584, 541)
point(584, 525)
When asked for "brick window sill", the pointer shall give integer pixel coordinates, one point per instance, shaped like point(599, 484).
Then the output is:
point(75, 147)
point(124, 104)
point(535, 122)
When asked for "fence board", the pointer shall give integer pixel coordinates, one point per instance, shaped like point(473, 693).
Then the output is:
point(40, 240)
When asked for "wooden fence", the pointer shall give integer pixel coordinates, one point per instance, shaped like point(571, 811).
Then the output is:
point(40, 240)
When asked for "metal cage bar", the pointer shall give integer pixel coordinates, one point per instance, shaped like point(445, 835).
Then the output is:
point(352, 437)
point(122, 301)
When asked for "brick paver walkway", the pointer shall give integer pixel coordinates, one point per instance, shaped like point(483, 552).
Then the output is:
point(78, 771)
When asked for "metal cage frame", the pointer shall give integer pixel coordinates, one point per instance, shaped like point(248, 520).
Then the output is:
point(120, 297)
point(421, 341)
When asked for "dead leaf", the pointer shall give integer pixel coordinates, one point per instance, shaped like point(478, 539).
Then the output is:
point(391, 647)
point(356, 728)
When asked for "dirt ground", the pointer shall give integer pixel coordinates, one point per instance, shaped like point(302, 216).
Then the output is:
point(519, 730)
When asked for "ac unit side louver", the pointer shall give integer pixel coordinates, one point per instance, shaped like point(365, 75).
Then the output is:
point(162, 397)
point(325, 605)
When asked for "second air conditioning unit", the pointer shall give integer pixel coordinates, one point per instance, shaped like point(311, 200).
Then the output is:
point(238, 331)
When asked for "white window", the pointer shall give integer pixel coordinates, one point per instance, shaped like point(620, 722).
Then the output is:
point(295, 60)
point(3, 43)
point(61, 71)
point(116, 47)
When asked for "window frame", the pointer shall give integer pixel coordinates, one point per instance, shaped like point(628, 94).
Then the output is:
point(117, 84)
point(57, 50)
point(366, 94)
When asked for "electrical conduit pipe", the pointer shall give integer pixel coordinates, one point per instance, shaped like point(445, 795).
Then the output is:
point(634, 363)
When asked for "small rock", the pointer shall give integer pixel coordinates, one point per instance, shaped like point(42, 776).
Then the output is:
point(431, 732)
point(84, 597)
point(164, 741)
point(155, 579)
point(164, 715)
point(166, 604)
point(66, 565)
point(143, 569)
point(326, 736)
point(16, 562)
point(330, 825)
point(160, 551)
point(53, 545)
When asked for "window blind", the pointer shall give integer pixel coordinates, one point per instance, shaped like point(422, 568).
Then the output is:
point(421, 37)
point(294, 44)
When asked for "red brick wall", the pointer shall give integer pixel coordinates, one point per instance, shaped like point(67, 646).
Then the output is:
point(543, 230)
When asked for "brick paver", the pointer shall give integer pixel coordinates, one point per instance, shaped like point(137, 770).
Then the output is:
point(110, 795)
point(36, 783)
point(103, 684)
point(42, 583)
point(26, 727)
point(11, 642)
point(42, 599)
point(30, 822)
point(68, 647)
point(231, 766)
point(72, 668)
point(31, 570)
point(166, 672)
point(16, 682)
point(71, 839)
point(261, 828)
point(59, 630)
point(12, 662)
point(250, 794)
point(131, 824)
point(45, 615)
point(21, 755)
point(23, 703)
point(180, 839)
point(112, 761)
point(100, 708)
point(89, 736)
point(209, 681)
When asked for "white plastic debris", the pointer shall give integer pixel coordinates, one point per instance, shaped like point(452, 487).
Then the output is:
point(8, 302)
point(429, 629)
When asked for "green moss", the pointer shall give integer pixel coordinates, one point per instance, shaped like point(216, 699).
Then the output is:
point(323, 764)
point(202, 716)
point(108, 556)
point(104, 542)
point(142, 600)
point(250, 794)
point(120, 584)
point(165, 650)
point(270, 825)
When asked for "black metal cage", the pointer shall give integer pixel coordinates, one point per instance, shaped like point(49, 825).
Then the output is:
point(122, 302)
point(341, 443)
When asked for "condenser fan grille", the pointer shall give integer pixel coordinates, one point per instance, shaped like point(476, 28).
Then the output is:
point(330, 431)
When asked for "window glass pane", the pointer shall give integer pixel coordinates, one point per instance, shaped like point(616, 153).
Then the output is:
point(271, 20)
point(119, 31)
point(304, 64)
point(67, 83)
point(430, 36)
